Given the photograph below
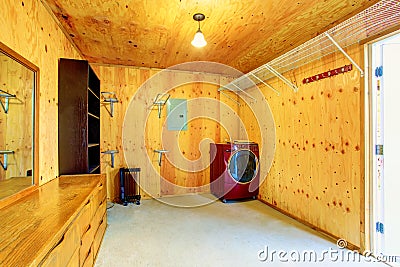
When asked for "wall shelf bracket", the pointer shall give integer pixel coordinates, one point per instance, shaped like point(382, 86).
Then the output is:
point(160, 101)
point(5, 154)
point(160, 153)
point(241, 90)
point(110, 97)
point(222, 88)
point(345, 54)
point(6, 103)
point(281, 77)
point(231, 98)
point(266, 84)
point(112, 154)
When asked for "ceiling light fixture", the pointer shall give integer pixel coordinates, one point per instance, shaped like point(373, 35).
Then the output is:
point(198, 40)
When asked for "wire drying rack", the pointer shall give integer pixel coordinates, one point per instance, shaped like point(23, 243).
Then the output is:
point(372, 21)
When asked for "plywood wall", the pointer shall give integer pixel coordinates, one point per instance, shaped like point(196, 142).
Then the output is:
point(29, 29)
point(124, 82)
point(202, 99)
point(16, 125)
point(317, 172)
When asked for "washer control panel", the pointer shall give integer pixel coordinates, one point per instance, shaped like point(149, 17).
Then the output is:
point(252, 147)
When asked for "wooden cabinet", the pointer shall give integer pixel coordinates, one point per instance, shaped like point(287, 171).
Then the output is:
point(65, 248)
point(78, 118)
point(89, 224)
point(66, 225)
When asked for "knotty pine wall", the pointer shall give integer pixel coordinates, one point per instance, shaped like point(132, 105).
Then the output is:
point(125, 81)
point(180, 176)
point(29, 29)
point(317, 173)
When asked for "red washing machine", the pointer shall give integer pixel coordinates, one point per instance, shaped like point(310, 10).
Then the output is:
point(234, 170)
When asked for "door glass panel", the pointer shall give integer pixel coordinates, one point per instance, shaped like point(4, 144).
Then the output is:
point(243, 166)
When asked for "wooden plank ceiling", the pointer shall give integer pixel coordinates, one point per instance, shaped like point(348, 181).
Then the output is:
point(243, 34)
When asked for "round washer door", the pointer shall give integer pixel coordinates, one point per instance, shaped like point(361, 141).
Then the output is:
point(243, 166)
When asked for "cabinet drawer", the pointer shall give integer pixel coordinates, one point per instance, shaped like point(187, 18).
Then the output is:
point(99, 214)
point(86, 242)
point(89, 260)
point(99, 235)
point(84, 218)
point(98, 196)
point(61, 254)
point(102, 189)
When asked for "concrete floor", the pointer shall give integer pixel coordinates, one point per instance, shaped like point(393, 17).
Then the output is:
point(232, 234)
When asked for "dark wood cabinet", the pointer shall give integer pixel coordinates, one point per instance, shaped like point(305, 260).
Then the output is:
point(78, 118)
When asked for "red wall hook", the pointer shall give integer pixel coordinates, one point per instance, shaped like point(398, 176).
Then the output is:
point(328, 74)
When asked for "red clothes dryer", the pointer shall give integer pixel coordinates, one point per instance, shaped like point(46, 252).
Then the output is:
point(234, 170)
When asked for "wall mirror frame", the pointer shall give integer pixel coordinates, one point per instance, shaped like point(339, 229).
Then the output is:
point(16, 188)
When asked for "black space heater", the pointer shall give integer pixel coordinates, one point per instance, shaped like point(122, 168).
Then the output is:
point(129, 181)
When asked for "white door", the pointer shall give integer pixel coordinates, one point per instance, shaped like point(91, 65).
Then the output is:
point(386, 145)
point(391, 147)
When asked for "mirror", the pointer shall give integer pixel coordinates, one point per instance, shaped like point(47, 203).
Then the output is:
point(18, 85)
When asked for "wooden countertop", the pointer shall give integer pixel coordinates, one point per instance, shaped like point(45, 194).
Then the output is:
point(32, 225)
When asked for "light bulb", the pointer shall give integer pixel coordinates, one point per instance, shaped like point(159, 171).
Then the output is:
point(198, 40)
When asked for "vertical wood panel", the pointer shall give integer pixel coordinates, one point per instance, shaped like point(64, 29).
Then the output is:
point(29, 29)
point(52, 45)
point(316, 172)
point(125, 81)
point(229, 114)
point(19, 25)
point(258, 126)
point(183, 173)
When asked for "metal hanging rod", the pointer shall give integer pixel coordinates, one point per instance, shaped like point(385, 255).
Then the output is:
point(110, 97)
point(160, 100)
point(5, 154)
point(5, 94)
point(112, 154)
point(6, 103)
point(160, 153)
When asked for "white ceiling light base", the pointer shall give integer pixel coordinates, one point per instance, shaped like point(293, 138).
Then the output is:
point(199, 40)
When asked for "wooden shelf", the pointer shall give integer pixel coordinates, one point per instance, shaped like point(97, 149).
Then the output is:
point(92, 169)
point(94, 116)
point(90, 90)
point(93, 145)
point(79, 109)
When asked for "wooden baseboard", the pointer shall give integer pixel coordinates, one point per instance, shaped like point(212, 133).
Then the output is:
point(322, 231)
point(183, 194)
